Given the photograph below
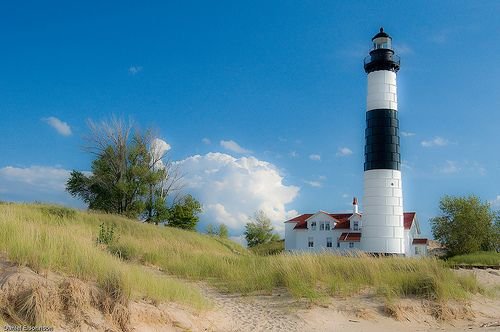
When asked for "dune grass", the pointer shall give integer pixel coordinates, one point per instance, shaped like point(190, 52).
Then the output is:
point(270, 248)
point(34, 236)
point(477, 258)
point(52, 238)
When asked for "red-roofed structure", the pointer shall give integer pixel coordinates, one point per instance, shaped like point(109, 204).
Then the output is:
point(342, 220)
point(343, 231)
point(420, 241)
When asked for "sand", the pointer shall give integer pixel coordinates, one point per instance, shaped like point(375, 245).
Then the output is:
point(267, 312)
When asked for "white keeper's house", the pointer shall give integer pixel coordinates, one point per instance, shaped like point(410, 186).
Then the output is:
point(340, 232)
point(383, 228)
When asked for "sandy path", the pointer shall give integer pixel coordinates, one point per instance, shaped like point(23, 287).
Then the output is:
point(274, 312)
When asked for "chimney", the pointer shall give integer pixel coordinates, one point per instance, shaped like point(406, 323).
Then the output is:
point(355, 205)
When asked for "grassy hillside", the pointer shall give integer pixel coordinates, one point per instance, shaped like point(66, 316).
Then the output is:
point(64, 240)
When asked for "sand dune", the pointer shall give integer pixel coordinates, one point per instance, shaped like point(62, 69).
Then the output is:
point(231, 312)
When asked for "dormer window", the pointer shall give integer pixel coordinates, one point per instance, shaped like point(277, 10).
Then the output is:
point(313, 225)
point(355, 226)
point(327, 226)
point(322, 226)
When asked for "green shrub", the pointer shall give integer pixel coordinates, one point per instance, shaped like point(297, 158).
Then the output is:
point(106, 234)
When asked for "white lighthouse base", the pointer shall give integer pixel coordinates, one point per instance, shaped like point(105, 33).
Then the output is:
point(383, 221)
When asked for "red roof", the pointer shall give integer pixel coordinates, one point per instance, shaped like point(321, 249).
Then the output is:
point(420, 241)
point(343, 220)
point(409, 217)
point(350, 237)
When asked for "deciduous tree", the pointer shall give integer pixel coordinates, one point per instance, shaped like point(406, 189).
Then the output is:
point(184, 213)
point(129, 175)
point(259, 230)
point(466, 225)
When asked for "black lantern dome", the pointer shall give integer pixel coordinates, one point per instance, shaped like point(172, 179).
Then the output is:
point(382, 55)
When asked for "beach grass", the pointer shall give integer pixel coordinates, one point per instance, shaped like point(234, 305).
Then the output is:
point(485, 258)
point(64, 240)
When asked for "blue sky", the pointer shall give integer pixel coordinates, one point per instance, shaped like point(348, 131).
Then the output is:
point(262, 102)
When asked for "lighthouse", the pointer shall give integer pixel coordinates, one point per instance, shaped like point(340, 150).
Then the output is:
point(383, 222)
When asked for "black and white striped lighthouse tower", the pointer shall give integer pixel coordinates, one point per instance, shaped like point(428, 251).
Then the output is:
point(383, 223)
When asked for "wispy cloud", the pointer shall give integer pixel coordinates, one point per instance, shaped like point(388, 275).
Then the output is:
point(134, 70)
point(342, 152)
point(403, 49)
point(436, 141)
point(407, 134)
point(315, 157)
point(60, 126)
point(315, 184)
point(293, 154)
point(234, 147)
point(406, 164)
point(450, 167)
point(474, 167)
point(206, 141)
point(440, 36)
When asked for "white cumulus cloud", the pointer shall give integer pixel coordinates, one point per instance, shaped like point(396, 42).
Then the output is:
point(232, 189)
point(315, 157)
point(342, 152)
point(234, 147)
point(60, 126)
point(158, 149)
point(436, 141)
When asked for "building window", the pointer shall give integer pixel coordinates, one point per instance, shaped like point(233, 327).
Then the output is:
point(338, 244)
point(417, 250)
point(322, 226)
point(310, 242)
point(328, 242)
point(327, 226)
point(313, 225)
point(351, 244)
point(355, 227)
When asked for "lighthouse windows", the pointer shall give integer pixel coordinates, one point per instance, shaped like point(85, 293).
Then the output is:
point(382, 42)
